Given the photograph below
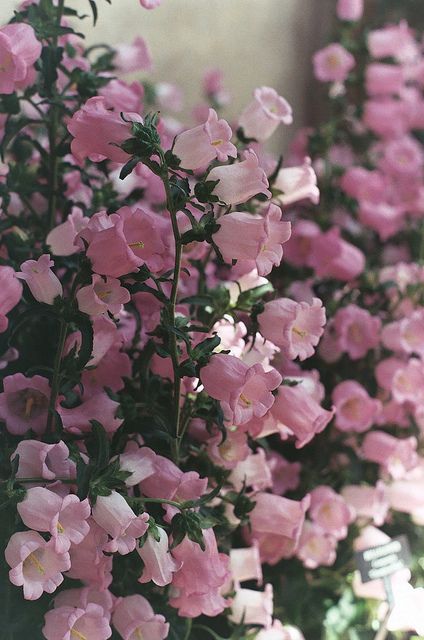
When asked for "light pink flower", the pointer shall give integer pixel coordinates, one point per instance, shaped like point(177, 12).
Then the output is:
point(116, 517)
point(333, 63)
point(252, 607)
point(316, 547)
point(252, 472)
point(150, 4)
point(395, 455)
point(11, 290)
point(64, 518)
point(24, 403)
point(244, 392)
point(159, 564)
point(368, 503)
point(132, 57)
point(41, 460)
point(35, 565)
point(240, 181)
point(61, 238)
point(297, 183)
point(197, 147)
point(384, 79)
point(262, 116)
point(329, 511)
point(102, 296)
point(41, 280)
point(387, 117)
point(408, 381)
point(139, 461)
point(350, 10)
point(80, 598)
point(393, 41)
point(296, 327)
point(70, 622)
point(19, 50)
point(230, 452)
point(333, 257)
point(276, 525)
point(122, 96)
point(97, 131)
point(355, 410)
point(285, 474)
point(357, 330)
point(134, 617)
point(299, 246)
point(243, 236)
point(98, 407)
point(88, 561)
point(245, 564)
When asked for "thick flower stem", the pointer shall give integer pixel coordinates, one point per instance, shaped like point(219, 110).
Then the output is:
point(56, 374)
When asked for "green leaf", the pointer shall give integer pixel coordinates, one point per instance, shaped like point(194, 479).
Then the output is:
point(94, 11)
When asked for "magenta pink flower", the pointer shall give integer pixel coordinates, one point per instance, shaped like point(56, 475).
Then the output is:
point(395, 455)
point(330, 512)
point(350, 10)
point(394, 41)
point(355, 410)
point(97, 131)
point(387, 117)
point(19, 50)
point(122, 96)
point(116, 517)
point(297, 183)
point(64, 518)
point(159, 564)
point(133, 617)
point(299, 246)
point(66, 622)
point(252, 607)
point(197, 147)
point(240, 181)
point(357, 330)
point(35, 565)
point(102, 296)
point(11, 290)
point(24, 403)
point(333, 63)
point(41, 280)
point(285, 474)
point(408, 381)
point(259, 239)
point(316, 547)
point(276, 525)
point(296, 327)
point(262, 116)
point(244, 392)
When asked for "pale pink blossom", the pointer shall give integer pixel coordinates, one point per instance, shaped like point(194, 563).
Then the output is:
point(133, 56)
point(75, 622)
point(252, 607)
point(159, 564)
point(88, 560)
point(296, 184)
point(368, 503)
point(350, 10)
point(240, 181)
point(230, 452)
point(316, 547)
point(329, 511)
point(357, 330)
point(11, 290)
point(41, 460)
point(384, 79)
point(42, 282)
point(333, 257)
point(116, 517)
point(395, 41)
point(262, 116)
point(133, 617)
point(35, 564)
point(61, 238)
point(19, 50)
point(252, 472)
point(355, 409)
point(333, 63)
point(395, 455)
point(102, 296)
point(245, 564)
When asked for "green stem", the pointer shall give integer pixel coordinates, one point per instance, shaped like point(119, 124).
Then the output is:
point(44, 481)
point(52, 134)
point(212, 633)
point(56, 374)
point(178, 505)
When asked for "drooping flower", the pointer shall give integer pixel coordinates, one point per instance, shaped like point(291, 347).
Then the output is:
point(333, 63)
point(262, 116)
point(44, 285)
point(240, 181)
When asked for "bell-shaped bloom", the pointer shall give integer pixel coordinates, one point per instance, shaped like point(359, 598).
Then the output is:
point(298, 249)
point(102, 296)
point(386, 117)
point(330, 512)
point(71, 622)
point(296, 184)
point(384, 79)
point(407, 382)
point(333, 257)
point(316, 547)
point(41, 460)
point(35, 564)
point(11, 290)
point(116, 517)
point(355, 410)
point(350, 10)
point(243, 236)
point(123, 96)
point(252, 472)
point(245, 564)
point(133, 617)
point(357, 331)
point(61, 238)
point(196, 585)
point(98, 132)
point(393, 41)
point(240, 181)
point(333, 63)
point(395, 455)
point(299, 411)
point(159, 565)
point(244, 392)
point(139, 461)
point(285, 474)
point(98, 407)
point(42, 282)
point(89, 563)
point(252, 607)
point(280, 632)
point(262, 116)
point(24, 403)
point(19, 50)
point(276, 525)
point(368, 503)
point(133, 56)
point(230, 452)
point(296, 327)
point(197, 147)
point(80, 598)
point(64, 518)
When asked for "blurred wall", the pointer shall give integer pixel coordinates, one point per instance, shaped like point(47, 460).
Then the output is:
point(255, 42)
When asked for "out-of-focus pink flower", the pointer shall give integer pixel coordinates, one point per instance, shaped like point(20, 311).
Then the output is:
point(296, 327)
point(97, 131)
point(11, 290)
point(262, 116)
point(150, 4)
point(393, 41)
point(159, 564)
point(329, 510)
point(333, 63)
point(252, 472)
point(116, 517)
point(35, 565)
point(102, 296)
point(71, 622)
point(285, 474)
point(199, 146)
point(316, 547)
point(395, 455)
point(132, 57)
point(384, 79)
point(24, 403)
point(357, 330)
point(244, 392)
point(122, 96)
point(368, 503)
point(333, 257)
point(387, 117)
point(240, 181)
point(245, 564)
point(134, 617)
point(252, 607)
point(42, 282)
point(350, 10)
point(19, 49)
point(297, 183)
point(355, 410)
point(279, 632)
